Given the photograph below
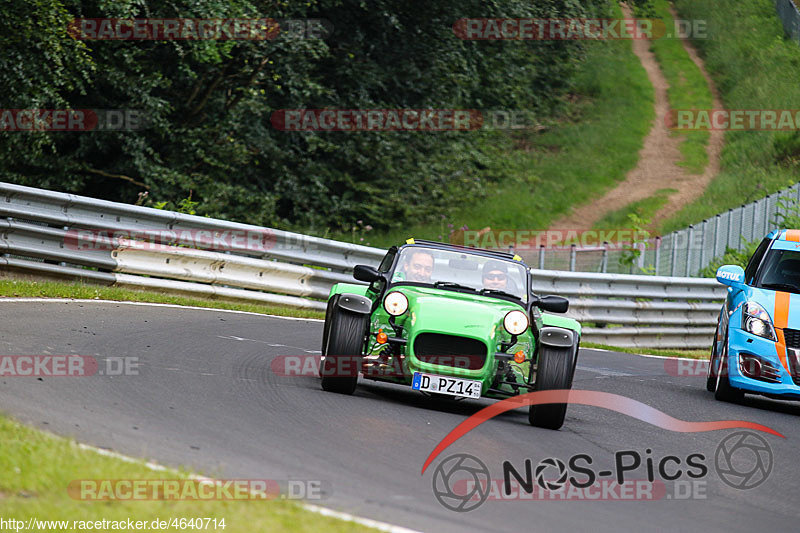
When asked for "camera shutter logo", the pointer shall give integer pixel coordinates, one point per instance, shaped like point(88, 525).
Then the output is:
point(743, 460)
point(461, 467)
point(550, 484)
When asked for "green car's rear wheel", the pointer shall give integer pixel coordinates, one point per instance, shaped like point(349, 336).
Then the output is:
point(345, 343)
point(555, 370)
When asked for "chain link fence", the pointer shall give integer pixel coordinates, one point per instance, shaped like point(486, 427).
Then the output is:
point(790, 17)
point(682, 253)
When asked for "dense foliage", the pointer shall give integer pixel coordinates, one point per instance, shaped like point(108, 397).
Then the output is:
point(209, 104)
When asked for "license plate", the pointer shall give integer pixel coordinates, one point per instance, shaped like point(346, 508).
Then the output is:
point(467, 388)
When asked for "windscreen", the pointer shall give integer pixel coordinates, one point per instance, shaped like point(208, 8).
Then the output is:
point(472, 271)
point(781, 271)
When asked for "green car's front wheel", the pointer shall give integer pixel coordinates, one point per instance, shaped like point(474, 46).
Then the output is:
point(555, 369)
point(345, 342)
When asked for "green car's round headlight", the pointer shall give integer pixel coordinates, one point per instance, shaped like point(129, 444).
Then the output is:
point(515, 322)
point(395, 303)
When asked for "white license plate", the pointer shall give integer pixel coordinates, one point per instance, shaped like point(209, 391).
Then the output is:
point(467, 388)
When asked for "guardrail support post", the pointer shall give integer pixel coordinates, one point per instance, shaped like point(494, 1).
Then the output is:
point(604, 261)
point(730, 229)
point(572, 253)
point(766, 215)
point(716, 236)
point(754, 231)
point(658, 253)
point(703, 245)
point(689, 251)
point(674, 257)
point(541, 257)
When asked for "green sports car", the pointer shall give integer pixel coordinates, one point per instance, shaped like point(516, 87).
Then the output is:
point(452, 321)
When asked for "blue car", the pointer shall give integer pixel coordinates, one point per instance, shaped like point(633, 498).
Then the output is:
point(756, 348)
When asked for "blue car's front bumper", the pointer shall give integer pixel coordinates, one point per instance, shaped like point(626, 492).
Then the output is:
point(741, 342)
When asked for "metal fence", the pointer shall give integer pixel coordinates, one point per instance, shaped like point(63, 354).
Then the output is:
point(680, 253)
point(57, 235)
point(790, 17)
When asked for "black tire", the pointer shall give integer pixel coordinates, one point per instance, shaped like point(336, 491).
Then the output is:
point(326, 328)
point(723, 390)
point(711, 377)
point(345, 340)
point(555, 370)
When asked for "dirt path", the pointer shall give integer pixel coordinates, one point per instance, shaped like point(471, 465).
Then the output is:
point(657, 167)
point(690, 187)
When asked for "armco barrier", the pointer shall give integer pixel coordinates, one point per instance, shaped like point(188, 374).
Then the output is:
point(49, 234)
point(638, 311)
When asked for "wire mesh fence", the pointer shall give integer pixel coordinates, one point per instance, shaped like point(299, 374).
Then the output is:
point(681, 253)
point(790, 17)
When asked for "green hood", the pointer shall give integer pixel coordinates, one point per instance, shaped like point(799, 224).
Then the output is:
point(445, 311)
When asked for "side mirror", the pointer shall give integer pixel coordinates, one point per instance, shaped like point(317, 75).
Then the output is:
point(366, 273)
point(731, 275)
point(552, 304)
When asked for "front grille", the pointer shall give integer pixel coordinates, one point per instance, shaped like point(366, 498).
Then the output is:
point(792, 337)
point(793, 355)
point(450, 350)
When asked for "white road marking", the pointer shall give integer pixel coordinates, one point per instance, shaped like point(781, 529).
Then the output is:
point(271, 344)
point(324, 511)
point(604, 371)
point(173, 306)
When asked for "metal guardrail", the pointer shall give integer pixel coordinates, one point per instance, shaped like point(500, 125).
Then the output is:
point(50, 234)
point(638, 311)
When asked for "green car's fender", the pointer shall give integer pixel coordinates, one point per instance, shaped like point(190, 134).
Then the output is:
point(561, 322)
point(351, 288)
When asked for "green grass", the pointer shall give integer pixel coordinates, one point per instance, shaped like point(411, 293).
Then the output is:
point(644, 209)
point(687, 89)
point(36, 469)
point(576, 159)
point(56, 289)
point(688, 354)
point(754, 67)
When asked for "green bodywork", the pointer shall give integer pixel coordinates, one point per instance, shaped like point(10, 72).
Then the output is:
point(436, 310)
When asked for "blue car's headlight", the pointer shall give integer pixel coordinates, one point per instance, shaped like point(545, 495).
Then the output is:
point(756, 320)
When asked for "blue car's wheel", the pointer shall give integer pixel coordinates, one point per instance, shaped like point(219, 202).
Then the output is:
point(723, 390)
point(713, 361)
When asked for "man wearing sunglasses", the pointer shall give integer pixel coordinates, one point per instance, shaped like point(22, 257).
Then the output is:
point(495, 275)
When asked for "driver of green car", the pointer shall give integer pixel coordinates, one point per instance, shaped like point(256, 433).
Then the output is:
point(418, 267)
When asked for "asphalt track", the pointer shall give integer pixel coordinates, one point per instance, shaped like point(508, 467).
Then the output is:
point(206, 397)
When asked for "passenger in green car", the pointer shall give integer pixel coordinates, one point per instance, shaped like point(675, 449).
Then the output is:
point(495, 275)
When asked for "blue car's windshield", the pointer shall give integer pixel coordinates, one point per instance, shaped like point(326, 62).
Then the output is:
point(460, 270)
point(780, 271)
